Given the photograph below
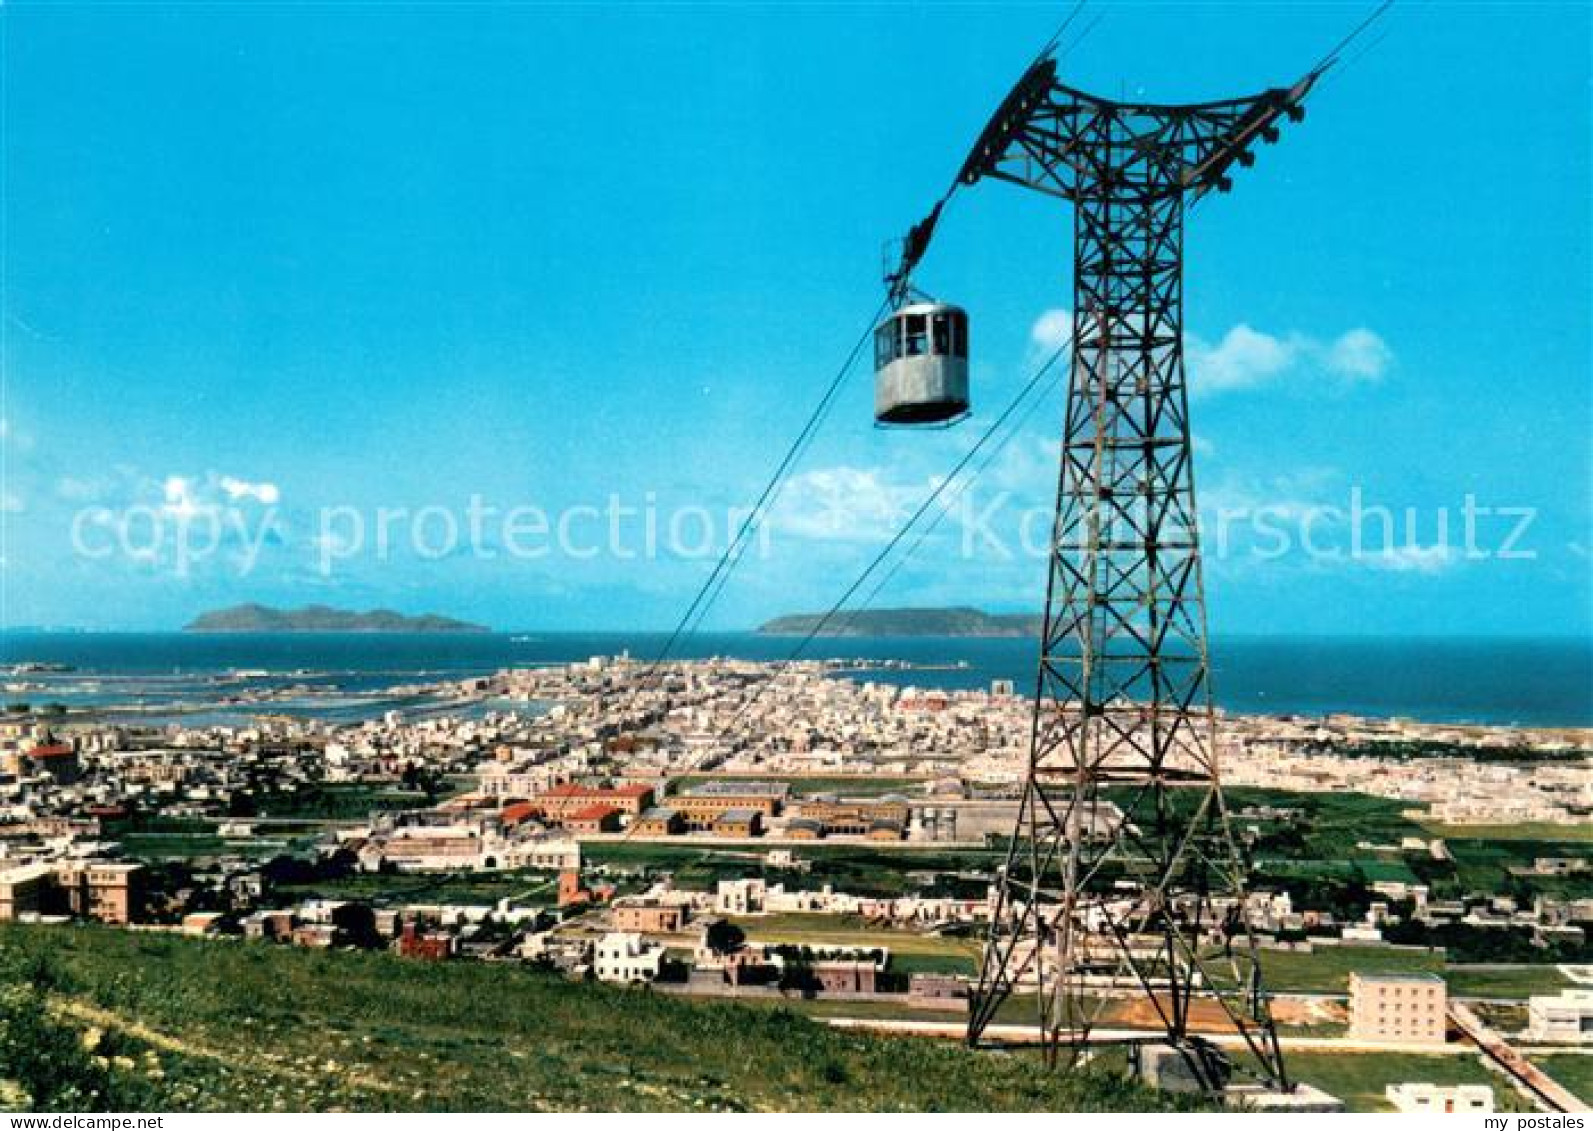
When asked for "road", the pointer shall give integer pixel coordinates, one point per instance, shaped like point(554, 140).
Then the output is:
point(1030, 1034)
point(1554, 1095)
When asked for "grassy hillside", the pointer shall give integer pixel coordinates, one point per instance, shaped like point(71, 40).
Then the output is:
point(97, 1019)
point(1359, 1079)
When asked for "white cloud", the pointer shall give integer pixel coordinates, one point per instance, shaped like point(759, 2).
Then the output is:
point(1411, 559)
point(236, 489)
point(11, 503)
point(181, 498)
point(846, 503)
point(1359, 354)
point(1028, 463)
point(1246, 358)
point(185, 496)
point(1051, 330)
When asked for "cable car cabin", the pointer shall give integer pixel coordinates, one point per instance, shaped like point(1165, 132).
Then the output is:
point(921, 365)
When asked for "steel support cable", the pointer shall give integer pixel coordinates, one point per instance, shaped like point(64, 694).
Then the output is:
point(739, 549)
point(1056, 36)
point(1050, 46)
point(901, 533)
point(724, 578)
point(899, 283)
point(916, 243)
point(709, 593)
point(718, 578)
point(710, 589)
point(1023, 394)
point(979, 471)
point(1006, 414)
point(1355, 33)
point(967, 485)
point(1339, 68)
point(770, 490)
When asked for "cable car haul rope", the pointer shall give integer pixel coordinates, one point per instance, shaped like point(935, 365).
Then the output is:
point(921, 352)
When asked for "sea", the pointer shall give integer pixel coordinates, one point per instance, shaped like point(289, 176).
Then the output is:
point(1542, 682)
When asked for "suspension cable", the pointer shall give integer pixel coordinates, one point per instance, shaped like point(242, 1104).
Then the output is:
point(901, 533)
point(771, 489)
point(967, 485)
point(711, 588)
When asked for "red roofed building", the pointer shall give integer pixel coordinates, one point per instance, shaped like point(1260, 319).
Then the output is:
point(431, 946)
point(56, 759)
point(593, 819)
point(570, 890)
point(520, 811)
point(563, 800)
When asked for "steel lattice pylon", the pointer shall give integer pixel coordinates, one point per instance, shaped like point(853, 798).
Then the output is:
point(1122, 877)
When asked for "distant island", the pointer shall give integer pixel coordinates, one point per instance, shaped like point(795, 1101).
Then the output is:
point(322, 618)
point(907, 622)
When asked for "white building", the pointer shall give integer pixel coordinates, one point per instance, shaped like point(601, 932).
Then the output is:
point(1566, 1017)
point(518, 780)
point(1464, 1099)
point(739, 897)
point(550, 854)
point(625, 957)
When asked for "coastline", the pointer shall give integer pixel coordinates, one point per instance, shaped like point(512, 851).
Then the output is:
point(1523, 683)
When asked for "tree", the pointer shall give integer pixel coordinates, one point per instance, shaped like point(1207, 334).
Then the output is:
point(724, 937)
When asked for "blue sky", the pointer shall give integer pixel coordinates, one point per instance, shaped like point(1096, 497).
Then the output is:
point(265, 264)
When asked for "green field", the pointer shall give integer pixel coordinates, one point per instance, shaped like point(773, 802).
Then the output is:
point(352, 802)
point(1327, 969)
point(192, 846)
point(857, 868)
point(1359, 1078)
point(1482, 864)
point(472, 888)
point(853, 786)
point(909, 952)
point(197, 1025)
point(1505, 981)
point(1334, 823)
point(1531, 830)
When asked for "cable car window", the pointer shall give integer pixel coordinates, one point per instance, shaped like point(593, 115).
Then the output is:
point(896, 337)
point(884, 343)
point(917, 336)
point(959, 335)
point(942, 335)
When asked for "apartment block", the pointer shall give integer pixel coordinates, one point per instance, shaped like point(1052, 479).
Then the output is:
point(1398, 1008)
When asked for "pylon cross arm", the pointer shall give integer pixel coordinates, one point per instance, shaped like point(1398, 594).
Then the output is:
point(1062, 141)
